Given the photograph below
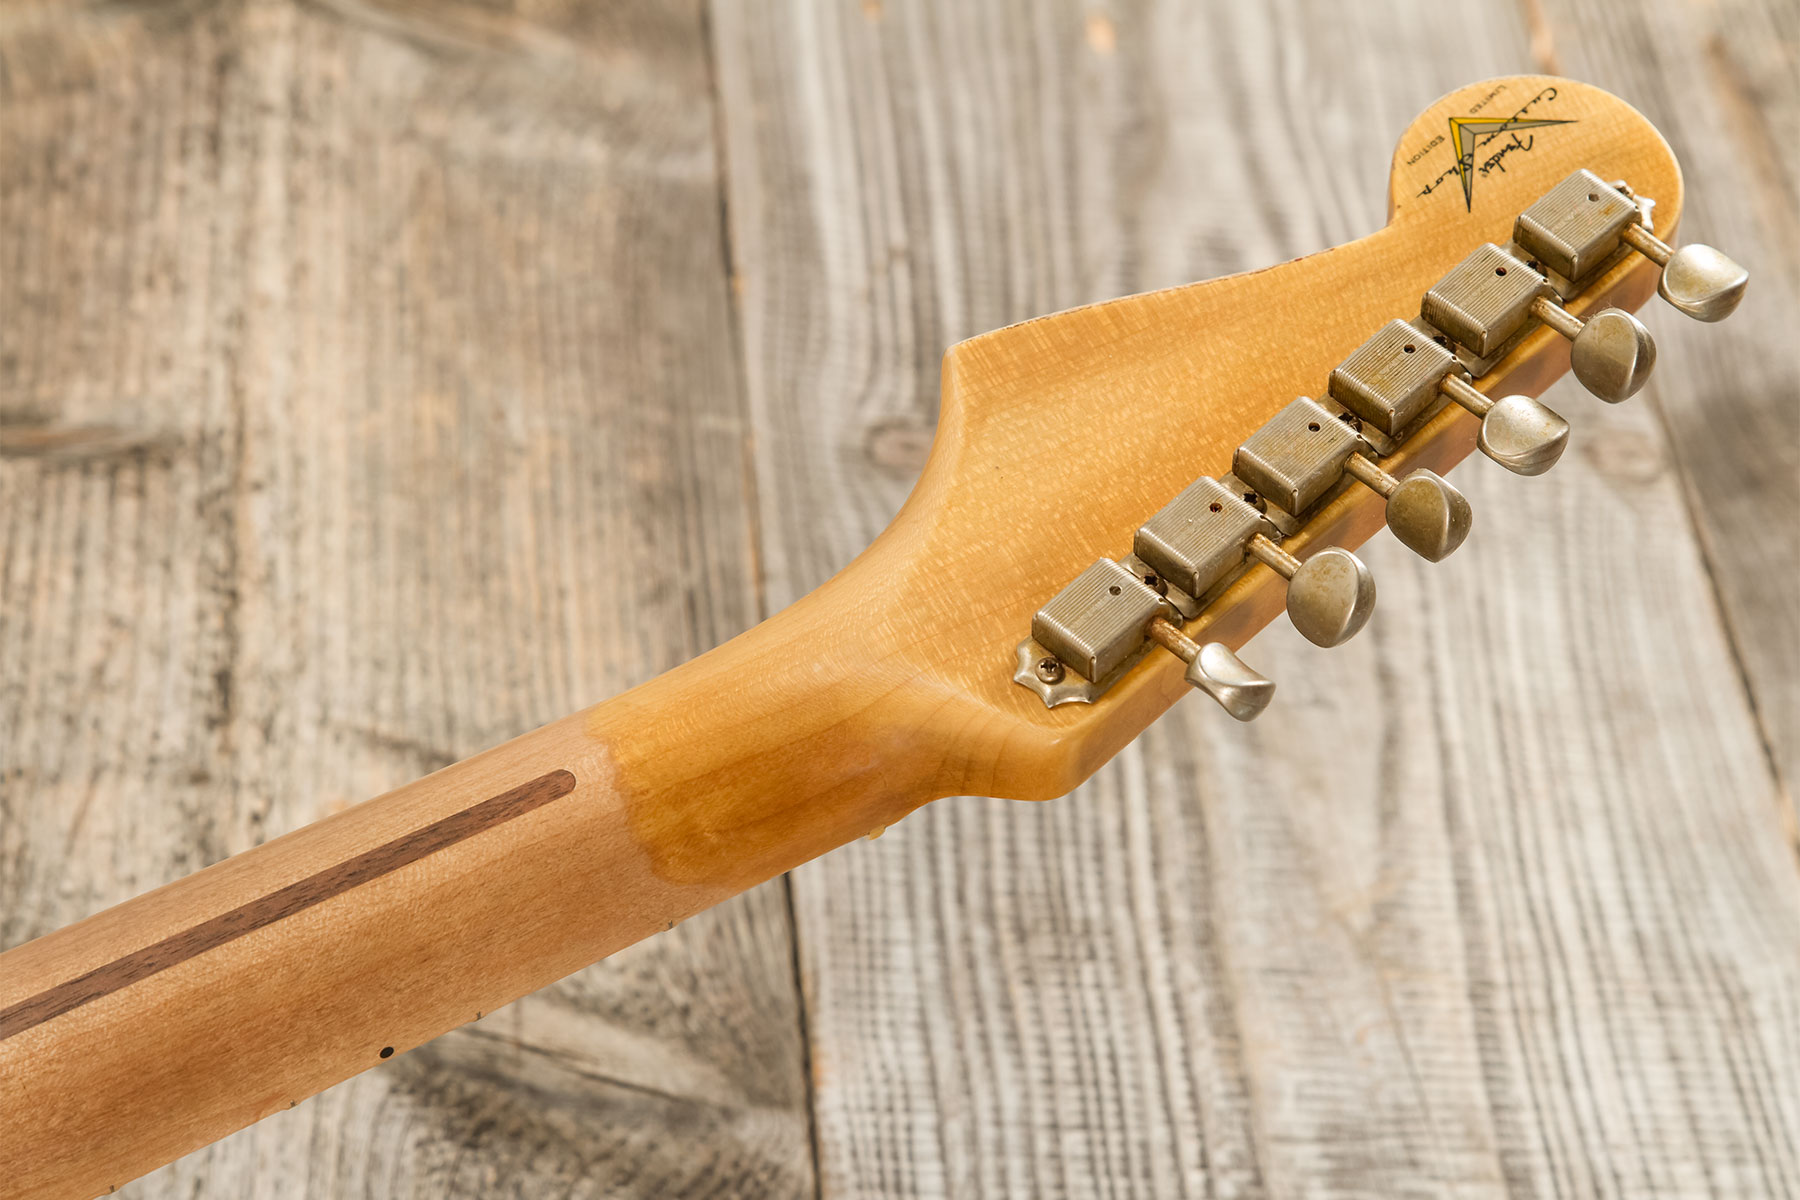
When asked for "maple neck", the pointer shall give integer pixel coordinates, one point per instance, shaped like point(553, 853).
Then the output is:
point(231, 994)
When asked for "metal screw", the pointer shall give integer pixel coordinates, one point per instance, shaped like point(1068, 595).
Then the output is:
point(1050, 670)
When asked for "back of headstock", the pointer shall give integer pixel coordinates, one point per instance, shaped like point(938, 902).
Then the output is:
point(1062, 437)
point(1062, 444)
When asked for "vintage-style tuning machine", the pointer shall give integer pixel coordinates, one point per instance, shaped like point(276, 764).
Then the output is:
point(1203, 535)
point(1305, 449)
point(1104, 620)
point(1097, 624)
point(1490, 298)
point(1577, 227)
point(1113, 613)
point(1393, 378)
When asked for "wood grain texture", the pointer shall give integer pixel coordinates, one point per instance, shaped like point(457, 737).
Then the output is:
point(1496, 900)
point(1484, 942)
point(1722, 82)
point(846, 710)
point(369, 398)
point(269, 908)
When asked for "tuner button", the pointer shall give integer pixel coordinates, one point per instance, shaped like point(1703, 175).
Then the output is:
point(1223, 676)
point(1215, 670)
point(1329, 596)
point(1523, 436)
point(1703, 283)
point(1517, 432)
point(1430, 517)
point(1697, 279)
point(1611, 352)
point(1612, 355)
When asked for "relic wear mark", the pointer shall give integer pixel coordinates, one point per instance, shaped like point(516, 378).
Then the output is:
point(736, 822)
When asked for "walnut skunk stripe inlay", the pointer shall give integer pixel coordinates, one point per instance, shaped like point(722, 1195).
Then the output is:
point(266, 910)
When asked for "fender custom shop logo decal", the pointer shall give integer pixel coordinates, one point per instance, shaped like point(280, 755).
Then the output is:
point(1482, 142)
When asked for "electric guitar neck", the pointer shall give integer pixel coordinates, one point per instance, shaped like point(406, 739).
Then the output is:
point(1117, 499)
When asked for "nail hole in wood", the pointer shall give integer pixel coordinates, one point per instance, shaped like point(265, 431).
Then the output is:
point(387, 1052)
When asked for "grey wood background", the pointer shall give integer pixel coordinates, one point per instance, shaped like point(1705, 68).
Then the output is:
point(378, 380)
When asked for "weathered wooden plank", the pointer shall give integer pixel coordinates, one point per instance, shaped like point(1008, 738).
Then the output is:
point(1495, 901)
point(369, 398)
point(1722, 82)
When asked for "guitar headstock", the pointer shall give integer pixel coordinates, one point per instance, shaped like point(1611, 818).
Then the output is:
point(1122, 487)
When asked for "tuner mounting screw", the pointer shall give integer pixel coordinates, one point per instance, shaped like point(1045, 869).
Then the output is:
point(1050, 670)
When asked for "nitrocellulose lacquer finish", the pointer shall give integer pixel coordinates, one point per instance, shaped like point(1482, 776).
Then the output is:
point(836, 717)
